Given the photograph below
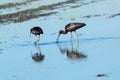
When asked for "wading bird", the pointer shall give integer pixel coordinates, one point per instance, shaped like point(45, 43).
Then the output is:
point(36, 31)
point(70, 28)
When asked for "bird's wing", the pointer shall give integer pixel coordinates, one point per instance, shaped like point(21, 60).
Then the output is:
point(71, 27)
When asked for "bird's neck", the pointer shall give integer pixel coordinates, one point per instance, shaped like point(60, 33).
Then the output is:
point(64, 32)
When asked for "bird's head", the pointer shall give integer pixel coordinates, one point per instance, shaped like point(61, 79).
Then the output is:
point(61, 32)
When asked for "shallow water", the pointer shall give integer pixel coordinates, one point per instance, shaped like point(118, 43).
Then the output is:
point(95, 52)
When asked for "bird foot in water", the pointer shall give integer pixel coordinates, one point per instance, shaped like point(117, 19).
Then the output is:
point(36, 42)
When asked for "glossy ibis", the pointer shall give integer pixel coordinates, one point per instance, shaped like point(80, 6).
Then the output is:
point(70, 28)
point(36, 31)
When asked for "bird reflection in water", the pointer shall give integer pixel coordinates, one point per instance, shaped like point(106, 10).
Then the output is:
point(38, 56)
point(72, 53)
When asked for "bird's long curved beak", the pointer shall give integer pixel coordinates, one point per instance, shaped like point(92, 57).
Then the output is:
point(58, 37)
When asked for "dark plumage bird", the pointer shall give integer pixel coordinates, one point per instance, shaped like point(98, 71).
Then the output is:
point(70, 28)
point(36, 31)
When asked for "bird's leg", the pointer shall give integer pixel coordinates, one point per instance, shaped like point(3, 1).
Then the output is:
point(77, 39)
point(71, 36)
point(37, 39)
point(77, 35)
point(72, 45)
